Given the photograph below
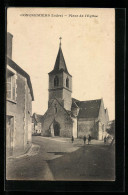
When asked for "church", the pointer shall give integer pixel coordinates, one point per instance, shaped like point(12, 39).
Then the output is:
point(67, 116)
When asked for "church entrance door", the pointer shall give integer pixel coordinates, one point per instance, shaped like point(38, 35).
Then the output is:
point(56, 129)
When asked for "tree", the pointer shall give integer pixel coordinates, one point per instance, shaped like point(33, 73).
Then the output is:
point(111, 128)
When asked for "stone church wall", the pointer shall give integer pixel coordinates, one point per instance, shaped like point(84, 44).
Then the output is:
point(74, 127)
point(67, 99)
point(85, 127)
point(51, 80)
point(65, 76)
point(56, 94)
point(60, 117)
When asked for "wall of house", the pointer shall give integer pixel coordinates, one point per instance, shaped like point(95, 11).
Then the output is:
point(100, 131)
point(33, 128)
point(28, 118)
point(107, 116)
point(61, 117)
point(38, 128)
point(17, 109)
point(22, 120)
point(9, 44)
point(103, 118)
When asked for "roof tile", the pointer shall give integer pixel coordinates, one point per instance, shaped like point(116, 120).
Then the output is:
point(88, 109)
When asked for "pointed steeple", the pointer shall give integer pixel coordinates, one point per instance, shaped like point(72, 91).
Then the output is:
point(60, 64)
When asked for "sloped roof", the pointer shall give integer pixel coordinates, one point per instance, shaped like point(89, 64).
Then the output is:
point(74, 105)
point(88, 109)
point(38, 118)
point(60, 65)
point(75, 100)
point(34, 120)
point(66, 111)
point(18, 69)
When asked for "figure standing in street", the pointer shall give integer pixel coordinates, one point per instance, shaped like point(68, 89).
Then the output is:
point(72, 139)
point(89, 139)
point(105, 139)
point(84, 139)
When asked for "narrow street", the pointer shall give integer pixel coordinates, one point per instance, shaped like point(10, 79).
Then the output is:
point(60, 159)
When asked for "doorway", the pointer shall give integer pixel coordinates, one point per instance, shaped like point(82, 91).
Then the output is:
point(56, 129)
point(9, 135)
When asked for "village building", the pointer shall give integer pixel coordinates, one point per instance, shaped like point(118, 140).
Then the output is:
point(19, 97)
point(37, 124)
point(92, 118)
point(67, 116)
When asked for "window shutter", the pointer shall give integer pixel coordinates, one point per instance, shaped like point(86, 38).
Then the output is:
point(13, 87)
point(9, 87)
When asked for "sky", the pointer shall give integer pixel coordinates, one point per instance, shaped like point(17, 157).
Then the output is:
point(88, 45)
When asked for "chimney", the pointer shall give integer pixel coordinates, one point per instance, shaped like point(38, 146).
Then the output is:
point(9, 45)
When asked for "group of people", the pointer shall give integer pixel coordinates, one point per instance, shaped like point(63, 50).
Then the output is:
point(89, 138)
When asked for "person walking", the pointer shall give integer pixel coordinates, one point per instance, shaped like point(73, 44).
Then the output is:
point(84, 139)
point(72, 139)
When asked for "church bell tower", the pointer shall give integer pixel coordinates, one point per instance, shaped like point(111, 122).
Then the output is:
point(60, 82)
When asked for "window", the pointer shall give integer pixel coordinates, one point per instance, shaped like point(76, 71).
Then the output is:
point(67, 82)
point(56, 81)
point(10, 85)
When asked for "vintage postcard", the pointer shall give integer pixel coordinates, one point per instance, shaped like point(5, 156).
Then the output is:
point(60, 94)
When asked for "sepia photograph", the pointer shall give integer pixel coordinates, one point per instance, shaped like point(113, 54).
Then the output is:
point(60, 94)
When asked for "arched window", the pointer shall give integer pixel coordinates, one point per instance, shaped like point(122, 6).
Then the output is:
point(67, 82)
point(56, 81)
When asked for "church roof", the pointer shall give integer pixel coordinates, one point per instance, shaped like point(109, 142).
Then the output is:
point(74, 105)
point(60, 65)
point(88, 109)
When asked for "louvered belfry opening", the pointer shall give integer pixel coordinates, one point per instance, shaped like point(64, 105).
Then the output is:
point(56, 81)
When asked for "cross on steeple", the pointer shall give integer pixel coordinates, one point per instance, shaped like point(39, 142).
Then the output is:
point(60, 40)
